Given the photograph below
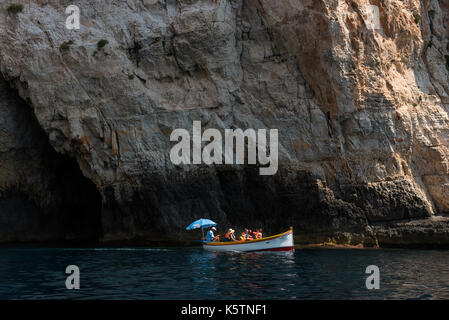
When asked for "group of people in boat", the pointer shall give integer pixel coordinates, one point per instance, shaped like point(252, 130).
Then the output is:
point(247, 234)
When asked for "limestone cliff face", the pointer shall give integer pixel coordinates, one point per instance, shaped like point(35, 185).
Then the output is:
point(43, 195)
point(362, 114)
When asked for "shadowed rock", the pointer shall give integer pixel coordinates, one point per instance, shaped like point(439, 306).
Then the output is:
point(362, 114)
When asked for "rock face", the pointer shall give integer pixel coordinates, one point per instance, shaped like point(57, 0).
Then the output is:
point(362, 113)
point(43, 195)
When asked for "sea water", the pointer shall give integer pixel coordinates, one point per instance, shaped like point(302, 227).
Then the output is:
point(191, 273)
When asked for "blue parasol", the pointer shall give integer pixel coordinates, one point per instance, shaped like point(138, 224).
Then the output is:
point(201, 223)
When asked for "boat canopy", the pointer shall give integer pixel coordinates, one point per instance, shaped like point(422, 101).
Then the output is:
point(201, 223)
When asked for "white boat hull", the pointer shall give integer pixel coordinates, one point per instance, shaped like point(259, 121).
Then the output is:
point(281, 242)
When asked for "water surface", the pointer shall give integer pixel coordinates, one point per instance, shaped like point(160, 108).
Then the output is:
point(191, 273)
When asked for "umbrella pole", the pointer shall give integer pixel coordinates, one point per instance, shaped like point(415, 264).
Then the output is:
point(202, 232)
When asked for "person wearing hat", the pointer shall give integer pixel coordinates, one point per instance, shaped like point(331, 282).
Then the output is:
point(210, 235)
point(230, 236)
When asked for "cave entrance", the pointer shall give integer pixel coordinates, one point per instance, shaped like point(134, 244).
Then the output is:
point(80, 203)
point(44, 196)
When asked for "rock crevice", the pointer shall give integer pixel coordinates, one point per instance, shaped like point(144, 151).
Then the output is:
point(362, 114)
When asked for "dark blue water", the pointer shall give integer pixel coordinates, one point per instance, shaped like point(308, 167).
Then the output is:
point(191, 273)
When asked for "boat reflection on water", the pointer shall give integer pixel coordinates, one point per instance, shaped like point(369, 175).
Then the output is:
point(238, 274)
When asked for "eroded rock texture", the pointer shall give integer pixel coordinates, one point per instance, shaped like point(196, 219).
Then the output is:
point(43, 194)
point(362, 114)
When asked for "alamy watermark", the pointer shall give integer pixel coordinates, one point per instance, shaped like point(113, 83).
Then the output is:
point(212, 153)
point(373, 281)
point(73, 280)
point(73, 20)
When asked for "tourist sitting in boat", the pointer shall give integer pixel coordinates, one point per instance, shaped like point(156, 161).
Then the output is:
point(230, 236)
point(254, 233)
point(258, 233)
point(245, 235)
point(210, 235)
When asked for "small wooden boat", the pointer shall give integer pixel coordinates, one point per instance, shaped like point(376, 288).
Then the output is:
point(279, 242)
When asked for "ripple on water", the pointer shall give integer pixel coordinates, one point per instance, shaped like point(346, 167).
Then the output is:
point(191, 273)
